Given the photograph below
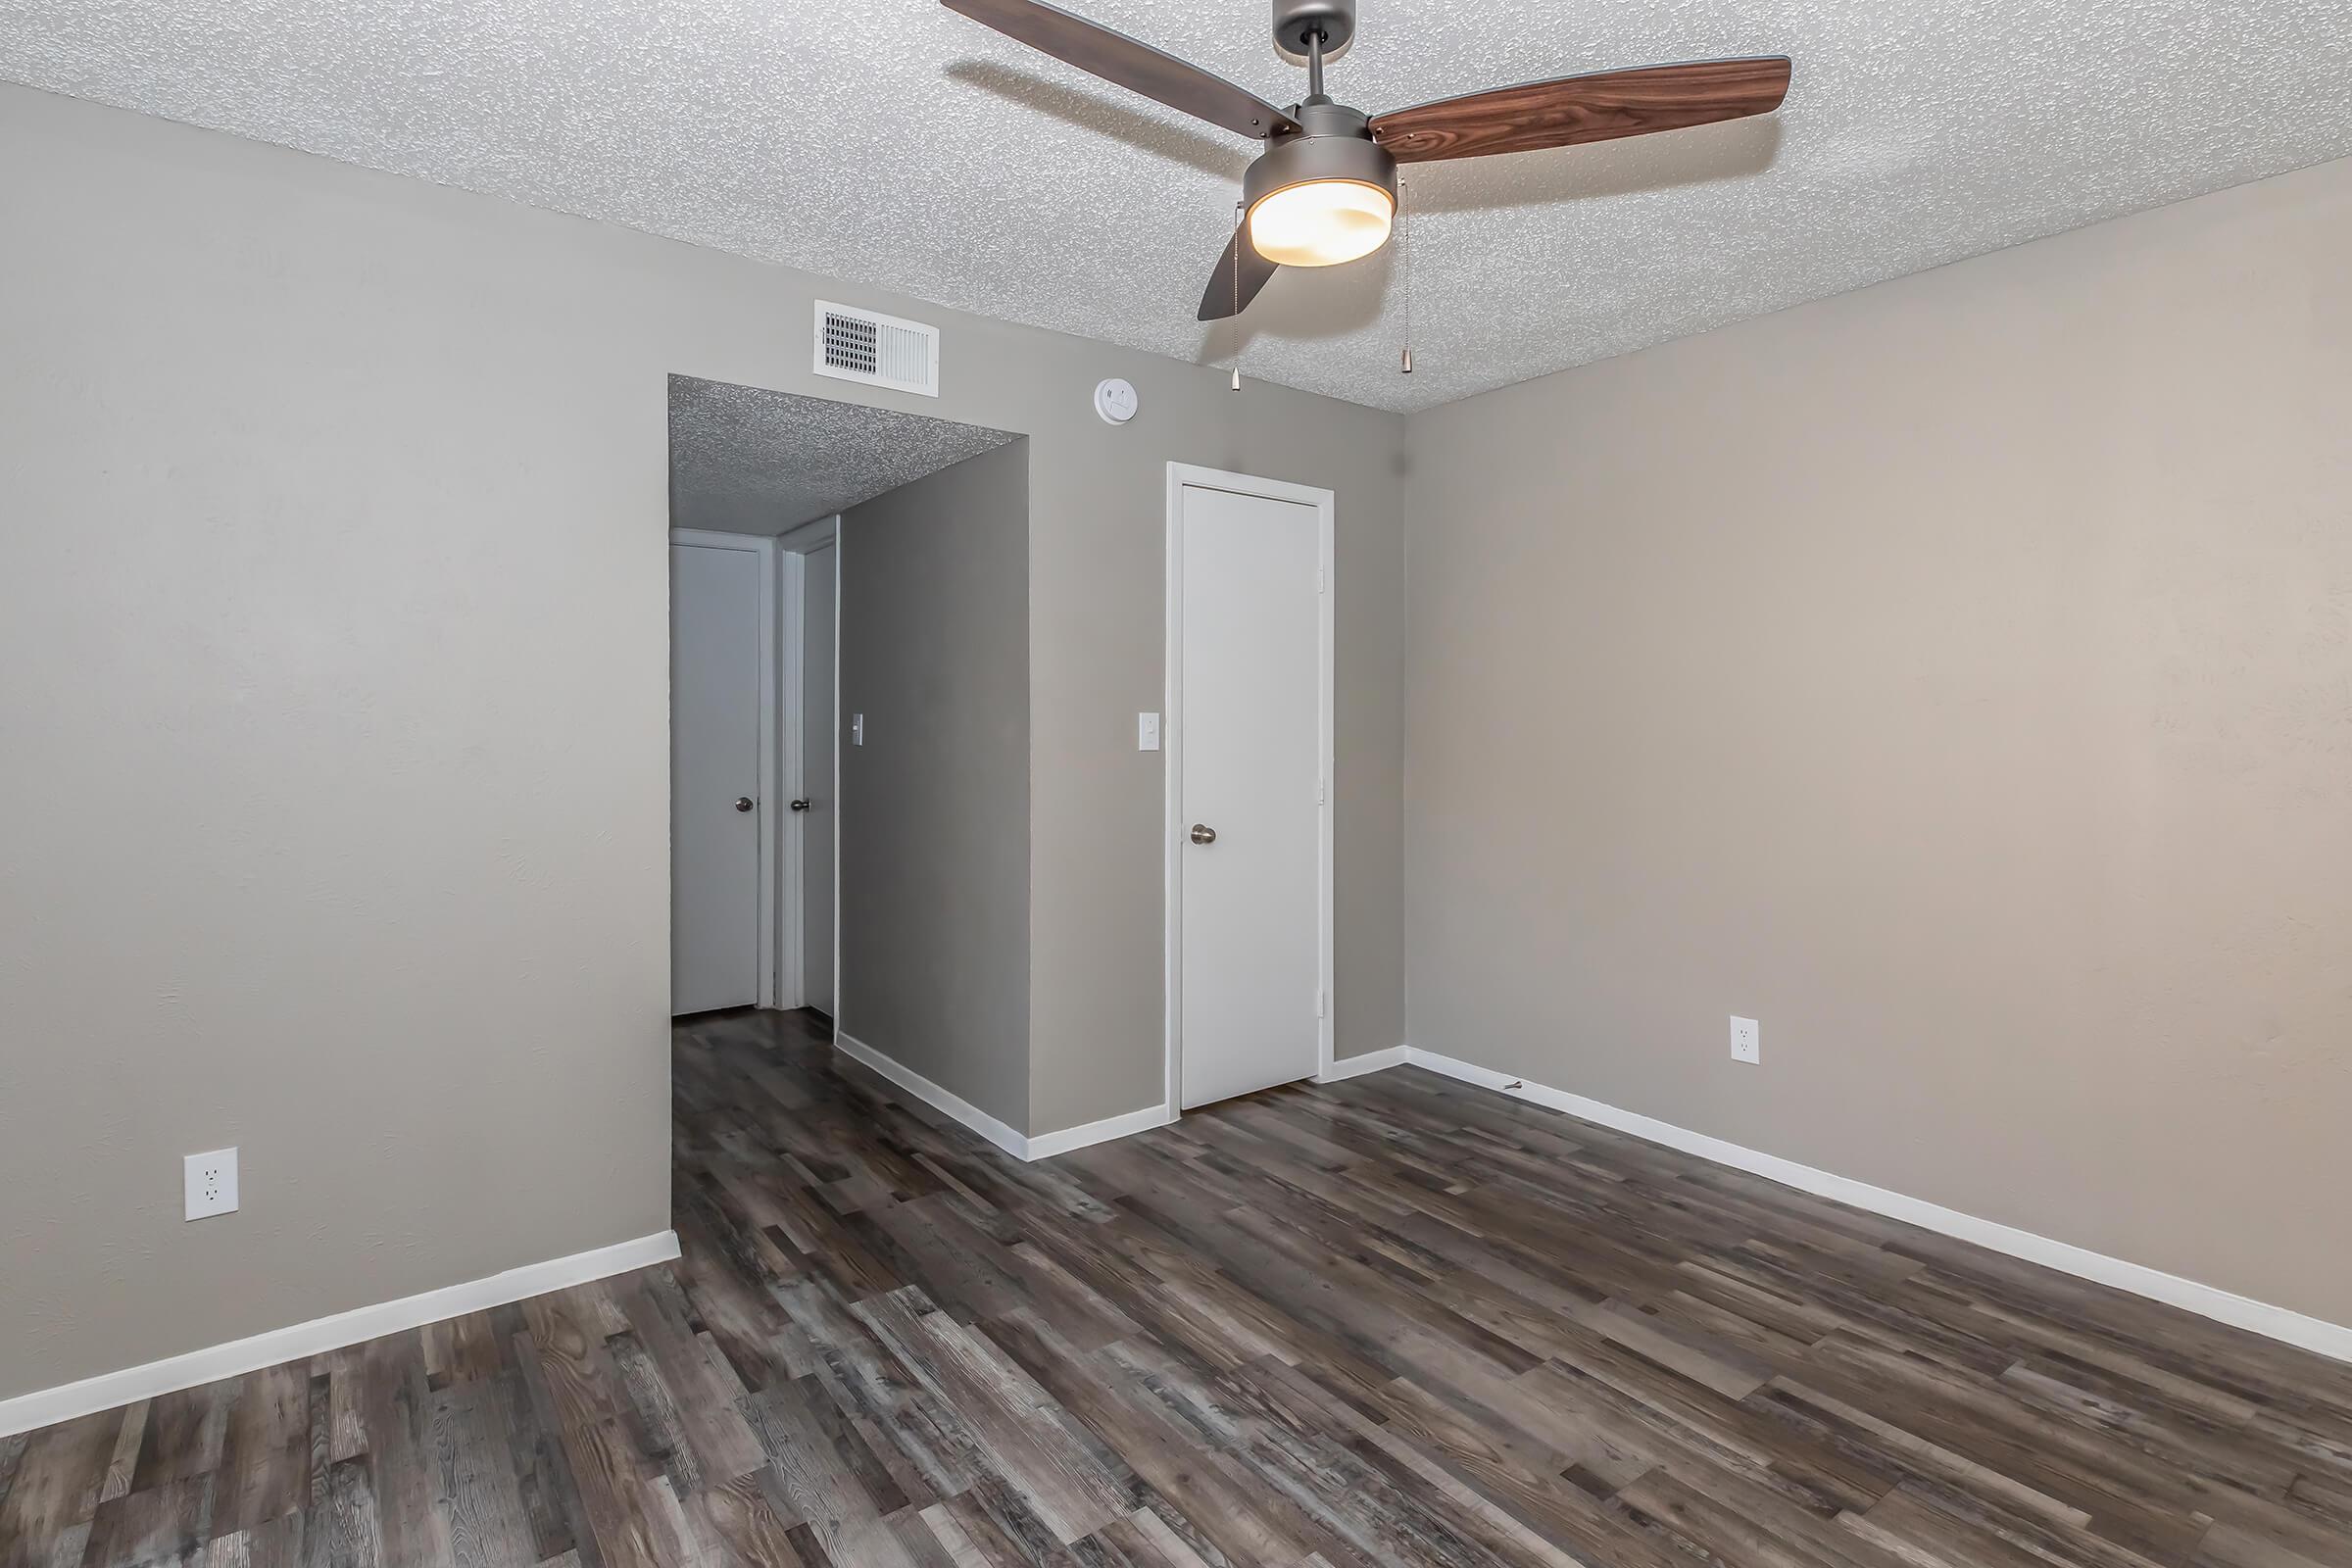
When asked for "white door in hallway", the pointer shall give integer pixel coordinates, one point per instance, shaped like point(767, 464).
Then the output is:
point(716, 606)
point(819, 819)
point(1250, 729)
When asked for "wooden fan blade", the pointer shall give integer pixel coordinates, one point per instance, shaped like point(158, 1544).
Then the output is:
point(1570, 110)
point(1222, 297)
point(1137, 67)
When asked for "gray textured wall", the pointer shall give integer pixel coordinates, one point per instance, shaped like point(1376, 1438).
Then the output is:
point(935, 806)
point(1957, 677)
point(333, 605)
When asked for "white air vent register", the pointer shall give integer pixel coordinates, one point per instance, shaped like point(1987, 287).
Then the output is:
point(879, 350)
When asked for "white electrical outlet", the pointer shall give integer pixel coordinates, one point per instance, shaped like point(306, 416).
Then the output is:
point(1747, 1041)
point(212, 1183)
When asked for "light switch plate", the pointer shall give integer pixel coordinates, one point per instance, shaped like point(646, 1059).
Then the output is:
point(1146, 732)
point(856, 730)
point(211, 1182)
point(1747, 1041)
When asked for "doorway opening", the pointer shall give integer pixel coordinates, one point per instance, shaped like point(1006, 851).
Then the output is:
point(775, 626)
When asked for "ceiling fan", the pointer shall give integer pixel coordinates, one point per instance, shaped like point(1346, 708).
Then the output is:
point(1324, 191)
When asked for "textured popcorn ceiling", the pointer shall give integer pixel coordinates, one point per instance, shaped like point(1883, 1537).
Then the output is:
point(748, 460)
point(895, 142)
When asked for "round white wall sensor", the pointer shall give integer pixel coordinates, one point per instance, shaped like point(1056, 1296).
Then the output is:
point(1115, 399)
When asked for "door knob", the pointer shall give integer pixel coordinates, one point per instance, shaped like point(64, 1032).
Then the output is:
point(801, 805)
point(1202, 834)
point(743, 802)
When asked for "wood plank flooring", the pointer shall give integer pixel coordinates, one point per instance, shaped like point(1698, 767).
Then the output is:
point(1390, 1321)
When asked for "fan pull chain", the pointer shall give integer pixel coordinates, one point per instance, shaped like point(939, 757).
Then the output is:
point(1404, 276)
point(1236, 271)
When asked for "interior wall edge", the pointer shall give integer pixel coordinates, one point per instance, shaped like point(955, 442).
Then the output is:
point(194, 1368)
point(934, 820)
point(1020, 1145)
point(2284, 1324)
point(1000, 1133)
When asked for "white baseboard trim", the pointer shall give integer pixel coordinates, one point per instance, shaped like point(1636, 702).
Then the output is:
point(2333, 1339)
point(1099, 1132)
point(1150, 1116)
point(1345, 1067)
point(47, 1406)
point(1018, 1145)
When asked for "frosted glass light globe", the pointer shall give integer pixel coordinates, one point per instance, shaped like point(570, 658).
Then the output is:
point(1321, 223)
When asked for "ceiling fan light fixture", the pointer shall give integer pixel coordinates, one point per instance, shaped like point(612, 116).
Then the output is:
point(1323, 195)
point(1321, 223)
point(1324, 191)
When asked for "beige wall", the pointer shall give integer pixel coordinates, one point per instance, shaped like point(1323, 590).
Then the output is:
point(333, 734)
point(1956, 676)
point(935, 806)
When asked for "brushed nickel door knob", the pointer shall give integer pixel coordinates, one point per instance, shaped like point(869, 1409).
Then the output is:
point(743, 802)
point(1202, 834)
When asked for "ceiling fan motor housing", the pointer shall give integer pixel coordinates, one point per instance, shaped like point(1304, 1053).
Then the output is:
point(1297, 22)
point(1332, 142)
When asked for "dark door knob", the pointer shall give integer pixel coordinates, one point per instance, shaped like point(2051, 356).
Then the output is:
point(743, 802)
point(801, 805)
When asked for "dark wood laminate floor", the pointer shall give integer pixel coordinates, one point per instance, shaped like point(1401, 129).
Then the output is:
point(1391, 1321)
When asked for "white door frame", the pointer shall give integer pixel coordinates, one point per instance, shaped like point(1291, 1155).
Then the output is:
point(1180, 475)
point(764, 550)
point(791, 547)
